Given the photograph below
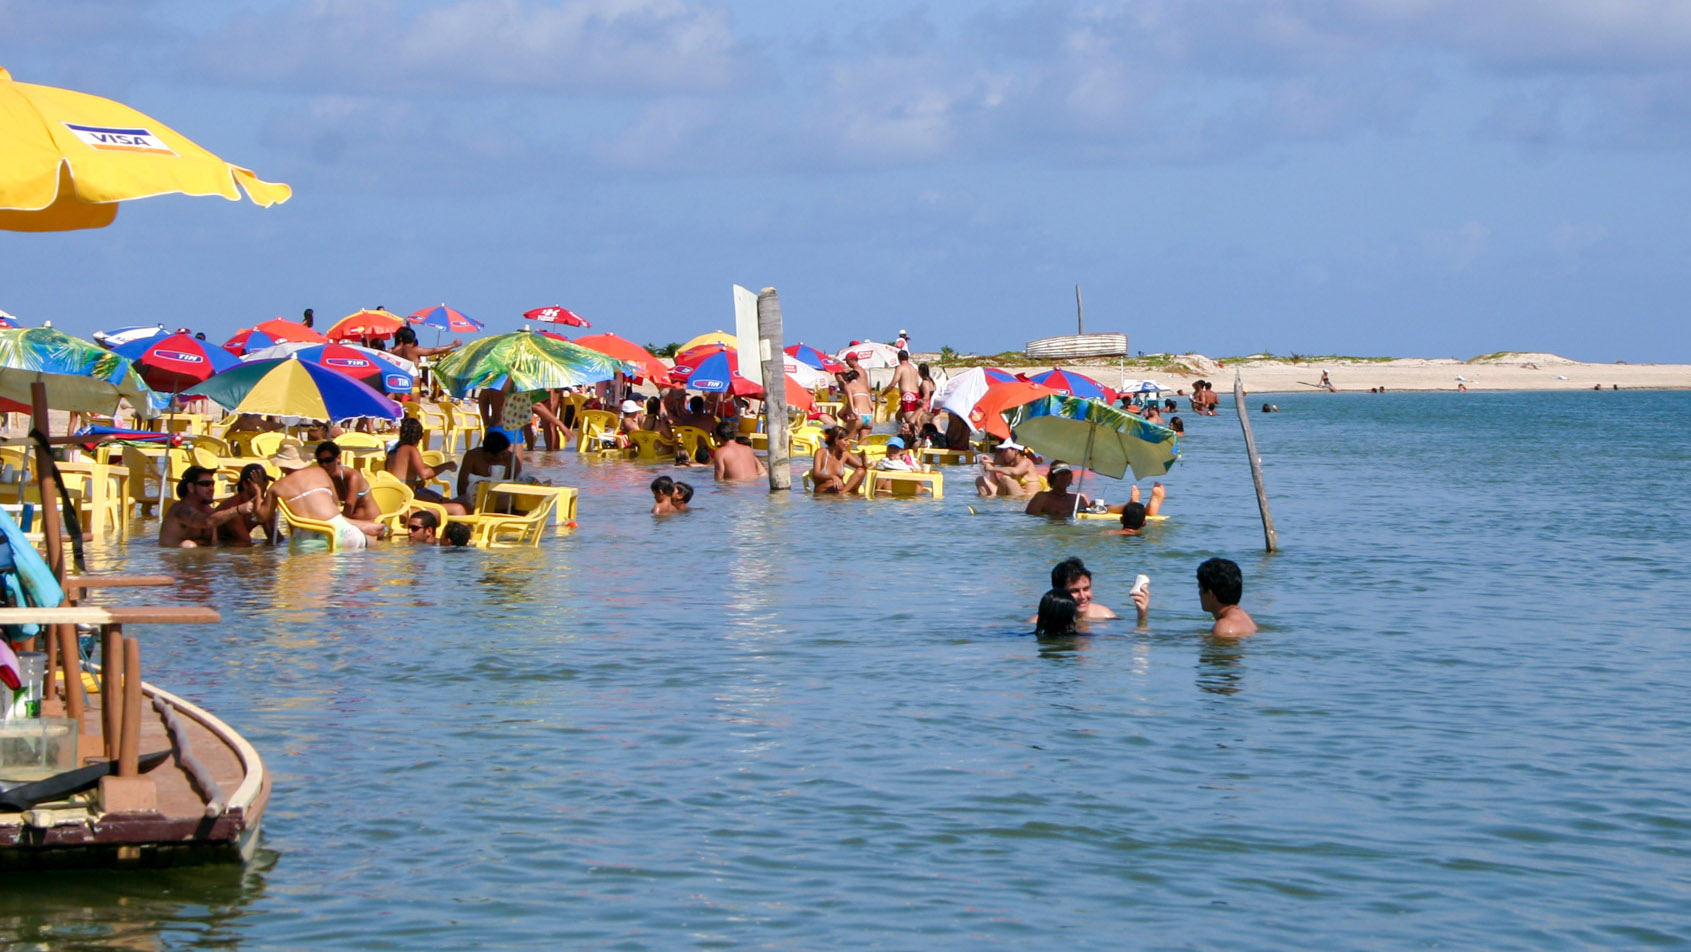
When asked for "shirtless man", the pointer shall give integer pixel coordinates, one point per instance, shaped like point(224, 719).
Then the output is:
point(1072, 576)
point(854, 383)
point(405, 346)
point(191, 522)
point(908, 383)
point(828, 469)
point(734, 459)
point(1220, 585)
point(1007, 472)
point(328, 492)
point(1057, 501)
point(405, 463)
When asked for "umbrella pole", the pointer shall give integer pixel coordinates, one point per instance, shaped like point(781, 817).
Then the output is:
point(1085, 464)
point(1256, 461)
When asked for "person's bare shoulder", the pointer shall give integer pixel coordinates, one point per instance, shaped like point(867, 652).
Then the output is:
point(1234, 624)
point(1098, 611)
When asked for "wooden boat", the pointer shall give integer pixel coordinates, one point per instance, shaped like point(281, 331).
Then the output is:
point(203, 803)
point(1077, 346)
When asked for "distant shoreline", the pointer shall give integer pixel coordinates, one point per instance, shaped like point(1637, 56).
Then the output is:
point(1514, 371)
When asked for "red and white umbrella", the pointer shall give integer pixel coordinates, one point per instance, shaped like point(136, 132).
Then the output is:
point(557, 315)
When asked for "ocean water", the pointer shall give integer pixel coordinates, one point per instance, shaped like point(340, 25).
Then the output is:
point(795, 723)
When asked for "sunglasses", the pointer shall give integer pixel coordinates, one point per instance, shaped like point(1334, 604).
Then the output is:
point(205, 482)
point(410, 528)
point(327, 460)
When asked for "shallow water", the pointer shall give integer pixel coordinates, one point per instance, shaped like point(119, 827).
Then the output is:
point(792, 723)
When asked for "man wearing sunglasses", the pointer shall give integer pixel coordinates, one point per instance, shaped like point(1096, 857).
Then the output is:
point(191, 521)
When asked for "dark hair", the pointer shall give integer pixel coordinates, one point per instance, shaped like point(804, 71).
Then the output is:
point(696, 404)
point(410, 431)
point(851, 375)
point(190, 476)
point(1170, 405)
point(405, 335)
point(327, 446)
point(457, 534)
point(725, 431)
point(684, 490)
point(923, 372)
point(1068, 572)
point(1221, 578)
point(904, 356)
point(662, 486)
point(1057, 613)
point(1177, 425)
point(652, 404)
point(1133, 516)
point(495, 442)
point(427, 518)
point(250, 471)
point(831, 435)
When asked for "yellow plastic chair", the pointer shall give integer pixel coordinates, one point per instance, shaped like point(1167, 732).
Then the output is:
point(689, 438)
point(394, 499)
point(523, 529)
point(264, 445)
point(591, 425)
point(362, 441)
point(298, 524)
point(650, 444)
point(435, 460)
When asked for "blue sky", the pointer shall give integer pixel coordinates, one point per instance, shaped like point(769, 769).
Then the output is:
point(1435, 178)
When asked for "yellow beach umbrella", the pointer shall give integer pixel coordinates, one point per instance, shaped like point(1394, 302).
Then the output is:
point(714, 337)
point(67, 159)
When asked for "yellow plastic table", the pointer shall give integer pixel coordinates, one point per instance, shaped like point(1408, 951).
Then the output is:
point(899, 483)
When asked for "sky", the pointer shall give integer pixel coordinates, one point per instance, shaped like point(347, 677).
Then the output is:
point(1425, 178)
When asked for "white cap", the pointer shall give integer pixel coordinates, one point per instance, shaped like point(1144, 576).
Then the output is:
point(1010, 445)
point(631, 406)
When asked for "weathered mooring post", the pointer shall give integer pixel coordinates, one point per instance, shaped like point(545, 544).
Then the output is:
point(1256, 461)
point(774, 389)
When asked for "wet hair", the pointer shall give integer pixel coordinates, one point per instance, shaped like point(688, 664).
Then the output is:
point(1057, 612)
point(190, 476)
point(1221, 578)
point(410, 431)
point(252, 471)
point(405, 335)
point(1068, 572)
point(684, 490)
point(327, 446)
point(457, 534)
point(1133, 516)
point(725, 431)
point(495, 442)
point(427, 518)
point(663, 486)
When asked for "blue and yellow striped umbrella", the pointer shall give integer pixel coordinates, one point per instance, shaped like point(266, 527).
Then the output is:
point(293, 387)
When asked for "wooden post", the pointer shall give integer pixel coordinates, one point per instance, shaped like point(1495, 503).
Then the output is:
point(1256, 461)
point(111, 687)
point(1079, 312)
point(129, 752)
point(70, 661)
point(774, 389)
point(49, 486)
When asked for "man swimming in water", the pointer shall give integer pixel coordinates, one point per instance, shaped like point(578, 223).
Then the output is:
point(1134, 513)
point(1057, 501)
point(1220, 586)
point(1073, 577)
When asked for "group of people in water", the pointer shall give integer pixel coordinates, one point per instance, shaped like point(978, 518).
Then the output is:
point(1068, 607)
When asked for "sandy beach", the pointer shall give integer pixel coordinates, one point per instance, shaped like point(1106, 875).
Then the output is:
point(1515, 371)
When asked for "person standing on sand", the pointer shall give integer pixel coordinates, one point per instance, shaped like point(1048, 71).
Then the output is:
point(1327, 383)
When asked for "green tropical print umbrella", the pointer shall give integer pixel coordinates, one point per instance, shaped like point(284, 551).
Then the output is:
point(531, 361)
point(80, 375)
point(1095, 436)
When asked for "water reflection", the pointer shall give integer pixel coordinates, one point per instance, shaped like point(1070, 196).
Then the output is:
point(1220, 668)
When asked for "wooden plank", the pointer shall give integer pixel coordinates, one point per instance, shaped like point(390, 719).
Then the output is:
point(125, 615)
point(115, 581)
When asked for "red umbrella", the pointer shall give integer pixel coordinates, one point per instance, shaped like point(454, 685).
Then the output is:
point(621, 348)
point(173, 363)
point(274, 331)
point(557, 315)
point(988, 413)
point(365, 324)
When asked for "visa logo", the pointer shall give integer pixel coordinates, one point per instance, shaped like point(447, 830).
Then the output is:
point(108, 139)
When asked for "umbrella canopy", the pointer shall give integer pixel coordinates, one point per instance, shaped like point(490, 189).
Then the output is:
point(804, 374)
point(1067, 383)
point(716, 372)
point(960, 393)
point(71, 157)
point(1144, 386)
point(79, 374)
point(269, 333)
point(621, 348)
point(448, 319)
point(718, 338)
point(988, 412)
point(293, 387)
point(175, 362)
point(806, 354)
point(1096, 435)
point(364, 324)
point(557, 315)
point(376, 369)
point(871, 355)
point(119, 336)
point(8, 320)
point(798, 396)
point(531, 361)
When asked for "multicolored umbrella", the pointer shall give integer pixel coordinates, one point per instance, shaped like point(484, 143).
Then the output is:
point(621, 348)
point(805, 375)
point(448, 319)
point(293, 387)
point(1067, 383)
point(806, 354)
point(119, 336)
point(557, 315)
point(531, 361)
point(270, 333)
point(713, 339)
point(175, 362)
point(1096, 435)
point(71, 157)
point(376, 369)
point(716, 372)
point(988, 412)
point(79, 374)
point(364, 325)
point(8, 320)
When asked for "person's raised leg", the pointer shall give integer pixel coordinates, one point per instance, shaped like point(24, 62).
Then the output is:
point(986, 485)
point(1158, 493)
point(855, 480)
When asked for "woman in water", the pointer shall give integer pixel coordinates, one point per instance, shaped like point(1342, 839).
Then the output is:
point(1057, 613)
